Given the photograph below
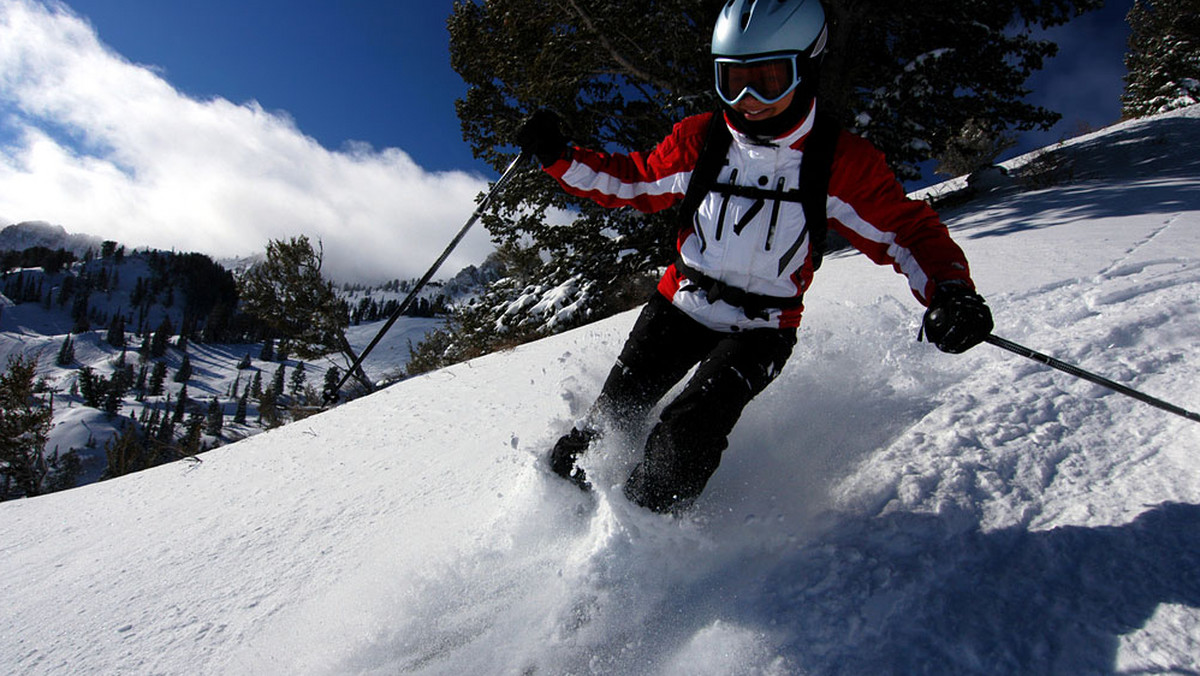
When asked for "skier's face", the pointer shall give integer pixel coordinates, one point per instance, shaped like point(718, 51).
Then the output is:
point(755, 111)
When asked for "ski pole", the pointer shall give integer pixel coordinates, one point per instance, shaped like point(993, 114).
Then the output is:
point(1092, 377)
point(331, 393)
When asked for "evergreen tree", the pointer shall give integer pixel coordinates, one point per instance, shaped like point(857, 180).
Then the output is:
point(140, 383)
point(185, 370)
point(180, 405)
point(215, 419)
point(268, 408)
point(298, 380)
point(144, 349)
point(157, 377)
point(256, 388)
point(268, 350)
point(216, 326)
point(117, 386)
point(332, 376)
point(92, 387)
point(278, 379)
point(239, 414)
point(66, 353)
point(139, 292)
point(191, 436)
point(165, 434)
point(81, 322)
point(287, 292)
point(116, 331)
point(162, 338)
point(1163, 61)
point(24, 426)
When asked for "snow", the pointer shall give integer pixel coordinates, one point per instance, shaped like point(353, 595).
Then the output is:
point(882, 509)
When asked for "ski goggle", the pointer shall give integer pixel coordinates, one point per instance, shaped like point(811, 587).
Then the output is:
point(767, 78)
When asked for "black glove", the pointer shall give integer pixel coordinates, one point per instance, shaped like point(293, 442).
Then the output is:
point(957, 319)
point(542, 135)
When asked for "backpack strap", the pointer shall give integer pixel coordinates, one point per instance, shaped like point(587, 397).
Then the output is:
point(708, 167)
point(815, 171)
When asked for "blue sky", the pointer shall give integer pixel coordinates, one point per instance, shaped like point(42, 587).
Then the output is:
point(1084, 82)
point(214, 125)
point(365, 70)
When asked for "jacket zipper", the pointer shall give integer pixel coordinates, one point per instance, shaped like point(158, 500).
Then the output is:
point(775, 213)
point(725, 205)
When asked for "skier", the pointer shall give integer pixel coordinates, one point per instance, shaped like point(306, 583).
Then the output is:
point(732, 300)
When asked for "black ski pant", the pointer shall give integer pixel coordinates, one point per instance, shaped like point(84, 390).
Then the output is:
point(685, 446)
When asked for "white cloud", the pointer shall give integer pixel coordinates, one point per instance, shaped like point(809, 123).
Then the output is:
point(100, 145)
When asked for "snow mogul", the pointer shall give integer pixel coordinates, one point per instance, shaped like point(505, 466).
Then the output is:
point(759, 182)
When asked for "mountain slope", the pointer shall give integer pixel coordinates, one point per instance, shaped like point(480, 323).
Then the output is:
point(882, 508)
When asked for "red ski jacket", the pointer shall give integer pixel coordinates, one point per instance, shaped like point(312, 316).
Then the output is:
point(761, 247)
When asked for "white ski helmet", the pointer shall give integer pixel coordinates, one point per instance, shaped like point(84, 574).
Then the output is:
point(768, 48)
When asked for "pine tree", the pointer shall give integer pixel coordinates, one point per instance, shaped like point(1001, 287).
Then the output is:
point(215, 419)
point(287, 292)
point(191, 436)
point(298, 380)
point(180, 405)
point(268, 408)
point(92, 387)
point(332, 375)
point(277, 380)
point(268, 350)
point(157, 377)
point(66, 353)
point(81, 322)
point(239, 414)
point(162, 338)
point(118, 386)
point(24, 426)
point(1163, 61)
point(116, 331)
point(185, 370)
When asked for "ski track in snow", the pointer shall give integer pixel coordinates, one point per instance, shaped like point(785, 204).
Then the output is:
point(882, 508)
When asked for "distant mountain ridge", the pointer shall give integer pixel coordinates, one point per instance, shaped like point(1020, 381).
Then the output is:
point(27, 234)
